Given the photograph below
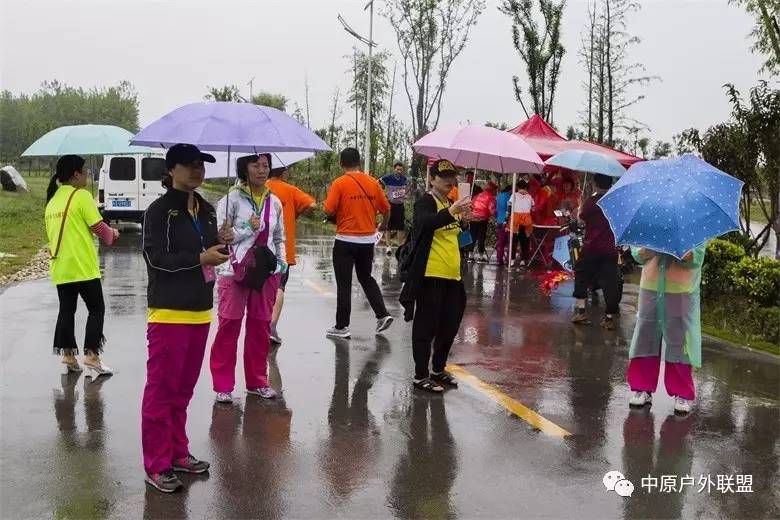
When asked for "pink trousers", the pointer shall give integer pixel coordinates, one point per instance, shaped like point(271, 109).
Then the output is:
point(234, 302)
point(172, 369)
point(643, 373)
point(502, 239)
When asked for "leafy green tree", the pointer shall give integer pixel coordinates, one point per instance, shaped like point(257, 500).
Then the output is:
point(540, 49)
point(24, 118)
point(225, 93)
point(268, 99)
point(430, 35)
point(662, 149)
point(766, 32)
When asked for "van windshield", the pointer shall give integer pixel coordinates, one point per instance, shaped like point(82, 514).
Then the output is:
point(152, 168)
point(122, 169)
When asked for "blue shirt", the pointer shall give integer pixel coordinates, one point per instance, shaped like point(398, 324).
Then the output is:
point(502, 206)
point(395, 187)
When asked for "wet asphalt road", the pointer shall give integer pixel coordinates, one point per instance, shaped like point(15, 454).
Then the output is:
point(350, 439)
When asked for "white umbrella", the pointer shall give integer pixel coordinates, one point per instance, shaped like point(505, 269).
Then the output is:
point(219, 169)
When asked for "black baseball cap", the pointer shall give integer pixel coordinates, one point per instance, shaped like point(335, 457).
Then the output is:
point(185, 154)
point(443, 168)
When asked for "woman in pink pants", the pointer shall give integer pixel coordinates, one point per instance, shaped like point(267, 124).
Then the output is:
point(181, 246)
point(255, 215)
point(669, 315)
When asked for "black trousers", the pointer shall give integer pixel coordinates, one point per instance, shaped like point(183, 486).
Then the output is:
point(347, 256)
point(91, 292)
point(479, 234)
point(522, 239)
point(438, 312)
point(603, 270)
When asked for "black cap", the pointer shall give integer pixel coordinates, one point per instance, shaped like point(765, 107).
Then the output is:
point(442, 168)
point(185, 154)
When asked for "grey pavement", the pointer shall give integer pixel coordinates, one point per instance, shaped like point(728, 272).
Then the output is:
point(351, 439)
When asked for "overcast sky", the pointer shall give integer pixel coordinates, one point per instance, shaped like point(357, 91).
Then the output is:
point(172, 49)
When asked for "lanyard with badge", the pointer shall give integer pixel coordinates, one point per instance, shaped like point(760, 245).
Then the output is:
point(209, 274)
point(464, 236)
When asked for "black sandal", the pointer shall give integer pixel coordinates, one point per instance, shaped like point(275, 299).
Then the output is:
point(428, 385)
point(445, 378)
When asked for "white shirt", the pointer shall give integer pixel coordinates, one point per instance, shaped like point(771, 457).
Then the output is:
point(522, 203)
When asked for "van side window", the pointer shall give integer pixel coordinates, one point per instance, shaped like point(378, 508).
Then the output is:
point(152, 168)
point(122, 169)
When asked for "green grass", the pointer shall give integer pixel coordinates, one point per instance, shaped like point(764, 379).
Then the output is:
point(741, 341)
point(22, 230)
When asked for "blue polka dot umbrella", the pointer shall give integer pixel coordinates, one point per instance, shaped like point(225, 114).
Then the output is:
point(672, 205)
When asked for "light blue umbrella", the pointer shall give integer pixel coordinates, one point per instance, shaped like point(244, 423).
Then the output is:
point(84, 140)
point(589, 162)
point(672, 205)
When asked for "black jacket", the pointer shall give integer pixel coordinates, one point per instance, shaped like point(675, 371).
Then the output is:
point(172, 247)
point(427, 219)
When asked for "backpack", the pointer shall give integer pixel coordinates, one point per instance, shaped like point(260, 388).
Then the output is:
point(405, 253)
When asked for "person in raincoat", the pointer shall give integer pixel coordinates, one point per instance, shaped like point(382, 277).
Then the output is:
point(668, 314)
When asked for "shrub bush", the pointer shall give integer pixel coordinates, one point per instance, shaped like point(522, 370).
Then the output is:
point(720, 254)
point(756, 278)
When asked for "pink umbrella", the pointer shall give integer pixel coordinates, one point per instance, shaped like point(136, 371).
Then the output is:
point(481, 147)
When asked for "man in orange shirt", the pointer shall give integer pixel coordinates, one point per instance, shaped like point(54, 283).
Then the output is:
point(294, 203)
point(355, 199)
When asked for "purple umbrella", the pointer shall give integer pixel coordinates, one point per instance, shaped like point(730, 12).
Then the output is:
point(219, 126)
point(223, 127)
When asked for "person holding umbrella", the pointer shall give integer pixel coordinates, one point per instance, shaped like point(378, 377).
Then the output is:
point(668, 231)
point(181, 247)
point(668, 311)
point(72, 217)
point(256, 217)
point(433, 294)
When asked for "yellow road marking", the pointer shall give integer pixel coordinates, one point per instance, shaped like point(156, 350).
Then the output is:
point(513, 405)
point(317, 287)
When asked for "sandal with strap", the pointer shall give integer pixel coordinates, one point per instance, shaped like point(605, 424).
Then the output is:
point(445, 378)
point(428, 385)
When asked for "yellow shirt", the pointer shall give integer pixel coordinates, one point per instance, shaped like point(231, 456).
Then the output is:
point(77, 258)
point(444, 258)
point(176, 317)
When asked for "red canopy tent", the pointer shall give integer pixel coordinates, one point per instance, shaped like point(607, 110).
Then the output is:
point(547, 142)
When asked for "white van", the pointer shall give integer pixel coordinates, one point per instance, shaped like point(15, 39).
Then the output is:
point(128, 184)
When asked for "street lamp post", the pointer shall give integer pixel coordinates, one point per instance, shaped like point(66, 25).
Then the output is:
point(367, 150)
point(371, 44)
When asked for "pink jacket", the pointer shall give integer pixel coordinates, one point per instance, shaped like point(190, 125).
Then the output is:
point(483, 206)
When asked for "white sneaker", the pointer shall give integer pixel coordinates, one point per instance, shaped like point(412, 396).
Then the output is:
point(383, 324)
point(224, 397)
point(682, 405)
point(333, 332)
point(266, 392)
point(641, 399)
